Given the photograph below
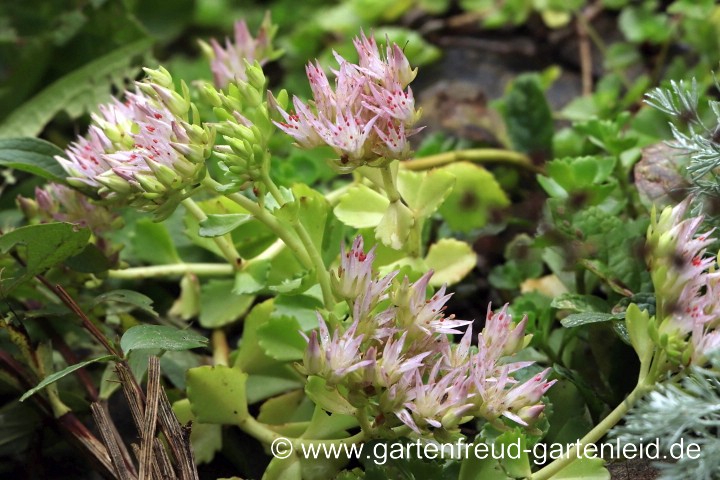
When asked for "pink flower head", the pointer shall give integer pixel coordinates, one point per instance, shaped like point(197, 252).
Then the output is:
point(338, 356)
point(138, 152)
point(355, 272)
point(63, 204)
point(228, 64)
point(437, 402)
point(687, 292)
point(369, 114)
point(429, 315)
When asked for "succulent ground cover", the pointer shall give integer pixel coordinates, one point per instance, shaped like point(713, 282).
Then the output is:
point(321, 239)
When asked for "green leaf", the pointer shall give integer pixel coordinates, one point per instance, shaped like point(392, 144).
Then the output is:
point(584, 469)
point(361, 207)
point(637, 323)
point(32, 155)
point(217, 394)
point(46, 245)
point(394, 227)
point(451, 260)
point(528, 117)
point(252, 278)
point(19, 424)
point(52, 378)
point(569, 418)
point(127, 297)
point(206, 439)
point(516, 463)
point(580, 303)
point(327, 398)
point(302, 308)
point(280, 339)
point(152, 243)
point(577, 319)
point(475, 196)
point(80, 91)
point(160, 337)
point(219, 305)
point(90, 260)
point(285, 408)
point(288, 468)
point(218, 225)
point(424, 192)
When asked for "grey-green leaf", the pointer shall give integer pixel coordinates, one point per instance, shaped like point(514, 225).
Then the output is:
point(62, 373)
point(161, 337)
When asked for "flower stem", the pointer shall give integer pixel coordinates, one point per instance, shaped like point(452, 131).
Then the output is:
point(477, 155)
point(593, 435)
point(291, 241)
point(321, 270)
point(323, 275)
point(199, 269)
point(266, 435)
point(389, 184)
point(224, 242)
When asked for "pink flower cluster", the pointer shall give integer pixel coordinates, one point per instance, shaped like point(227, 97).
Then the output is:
point(395, 359)
point(367, 117)
point(138, 151)
point(689, 285)
point(228, 64)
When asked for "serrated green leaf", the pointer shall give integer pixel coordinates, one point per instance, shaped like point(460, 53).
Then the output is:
point(252, 278)
point(218, 225)
point(303, 308)
point(361, 207)
point(474, 197)
point(516, 463)
point(162, 337)
point(52, 378)
point(451, 260)
point(32, 155)
point(219, 306)
point(46, 245)
point(280, 339)
point(127, 297)
point(424, 192)
point(82, 90)
point(217, 394)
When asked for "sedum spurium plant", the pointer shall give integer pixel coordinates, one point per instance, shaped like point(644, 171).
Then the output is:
point(376, 358)
point(341, 345)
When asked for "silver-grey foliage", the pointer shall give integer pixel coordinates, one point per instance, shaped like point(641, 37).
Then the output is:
point(700, 141)
point(687, 412)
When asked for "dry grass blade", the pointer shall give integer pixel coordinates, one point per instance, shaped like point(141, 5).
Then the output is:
point(106, 432)
point(147, 433)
